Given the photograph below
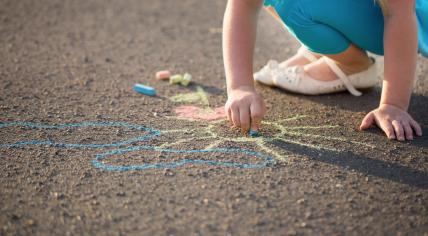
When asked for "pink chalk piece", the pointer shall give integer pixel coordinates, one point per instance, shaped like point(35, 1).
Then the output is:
point(197, 113)
point(163, 75)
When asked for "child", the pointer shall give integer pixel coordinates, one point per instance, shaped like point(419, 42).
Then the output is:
point(336, 35)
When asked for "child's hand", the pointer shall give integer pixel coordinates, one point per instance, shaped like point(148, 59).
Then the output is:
point(245, 108)
point(395, 122)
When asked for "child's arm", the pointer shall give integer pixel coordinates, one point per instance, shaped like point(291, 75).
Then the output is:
point(244, 107)
point(400, 47)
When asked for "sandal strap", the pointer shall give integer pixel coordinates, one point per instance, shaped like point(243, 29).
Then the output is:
point(342, 76)
point(304, 52)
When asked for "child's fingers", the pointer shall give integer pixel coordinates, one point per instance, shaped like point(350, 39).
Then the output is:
point(367, 121)
point(228, 112)
point(398, 128)
point(416, 127)
point(255, 124)
point(244, 113)
point(408, 130)
point(257, 114)
point(388, 129)
point(235, 116)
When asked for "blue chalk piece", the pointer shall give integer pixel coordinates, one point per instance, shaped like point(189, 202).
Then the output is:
point(140, 88)
point(254, 133)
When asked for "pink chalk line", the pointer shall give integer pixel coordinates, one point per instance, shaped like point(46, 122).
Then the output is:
point(197, 113)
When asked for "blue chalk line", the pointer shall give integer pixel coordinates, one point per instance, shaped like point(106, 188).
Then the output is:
point(151, 134)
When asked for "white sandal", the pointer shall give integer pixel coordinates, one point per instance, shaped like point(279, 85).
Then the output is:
point(265, 74)
point(295, 79)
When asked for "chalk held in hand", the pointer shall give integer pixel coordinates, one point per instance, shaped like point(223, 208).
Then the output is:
point(163, 75)
point(254, 133)
point(146, 90)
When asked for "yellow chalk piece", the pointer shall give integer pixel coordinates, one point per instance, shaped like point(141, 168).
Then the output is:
point(186, 79)
point(175, 79)
point(181, 79)
point(186, 98)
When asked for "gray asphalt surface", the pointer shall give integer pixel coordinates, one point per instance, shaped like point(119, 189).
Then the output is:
point(76, 61)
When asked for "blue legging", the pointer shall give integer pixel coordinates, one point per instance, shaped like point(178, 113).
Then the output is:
point(330, 26)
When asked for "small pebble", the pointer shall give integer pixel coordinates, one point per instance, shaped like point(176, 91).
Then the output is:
point(339, 186)
point(30, 222)
point(58, 196)
point(168, 172)
point(301, 201)
point(163, 75)
point(308, 215)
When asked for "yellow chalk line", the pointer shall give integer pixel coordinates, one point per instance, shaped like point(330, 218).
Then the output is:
point(203, 96)
point(179, 118)
point(285, 131)
point(320, 148)
point(183, 140)
point(261, 142)
point(274, 153)
point(213, 145)
point(328, 138)
point(200, 96)
point(312, 127)
point(174, 131)
point(292, 118)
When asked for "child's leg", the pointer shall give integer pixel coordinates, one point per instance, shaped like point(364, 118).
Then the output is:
point(351, 61)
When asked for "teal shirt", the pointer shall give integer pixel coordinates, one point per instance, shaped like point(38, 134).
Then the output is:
point(271, 2)
point(421, 13)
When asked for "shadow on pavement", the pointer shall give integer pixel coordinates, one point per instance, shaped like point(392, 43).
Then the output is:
point(207, 88)
point(370, 100)
point(369, 166)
